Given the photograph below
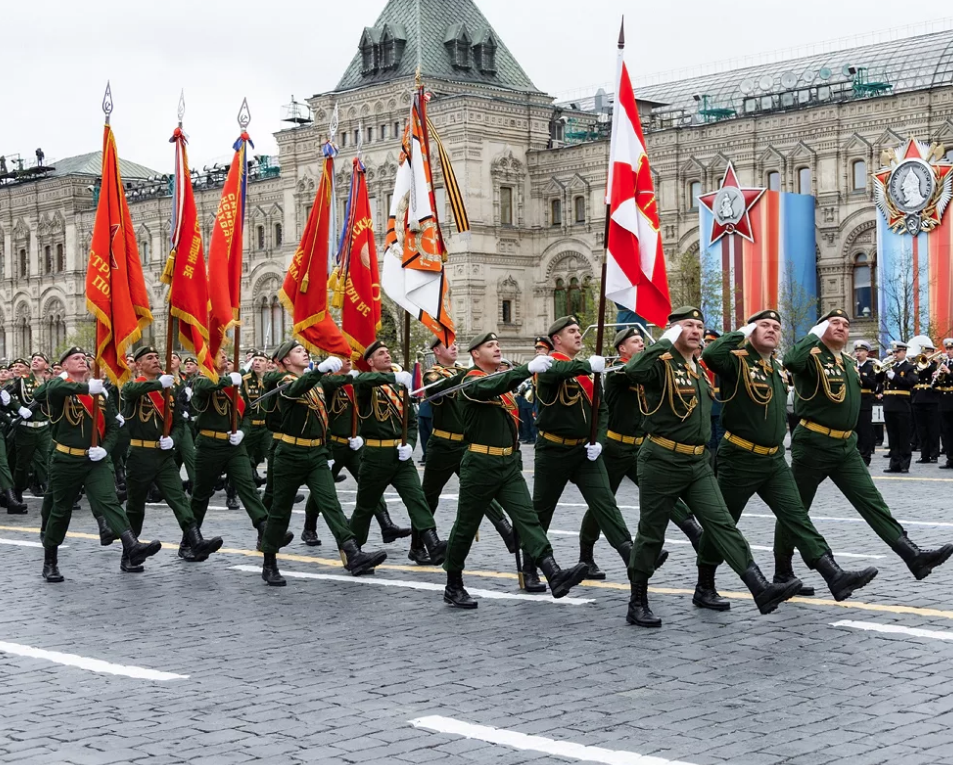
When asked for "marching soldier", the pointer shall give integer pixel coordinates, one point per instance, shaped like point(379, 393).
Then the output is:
point(76, 463)
point(676, 398)
point(868, 394)
point(259, 437)
point(386, 460)
point(625, 436)
point(32, 433)
point(446, 446)
point(491, 469)
point(926, 410)
point(184, 449)
point(751, 456)
point(899, 382)
point(7, 499)
point(824, 445)
point(943, 382)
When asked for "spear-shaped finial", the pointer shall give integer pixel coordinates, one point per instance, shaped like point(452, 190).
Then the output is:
point(333, 125)
point(108, 101)
point(244, 115)
point(360, 140)
point(181, 106)
point(622, 33)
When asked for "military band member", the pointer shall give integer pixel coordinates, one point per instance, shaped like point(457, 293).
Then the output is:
point(33, 430)
point(824, 444)
point(491, 469)
point(76, 463)
point(868, 395)
point(943, 382)
point(7, 498)
point(673, 464)
point(386, 460)
point(898, 383)
point(926, 410)
point(751, 455)
point(625, 436)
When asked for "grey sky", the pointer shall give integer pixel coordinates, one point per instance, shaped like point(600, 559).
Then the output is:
point(58, 55)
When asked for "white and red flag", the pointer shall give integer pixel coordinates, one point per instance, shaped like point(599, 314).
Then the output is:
point(635, 266)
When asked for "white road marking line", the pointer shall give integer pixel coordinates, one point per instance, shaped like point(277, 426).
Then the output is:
point(894, 629)
point(93, 665)
point(525, 742)
point(24, 543)
point(940, 524)
point(487, 594)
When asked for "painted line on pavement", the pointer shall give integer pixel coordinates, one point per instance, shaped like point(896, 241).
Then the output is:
point(895, 629)
point(486, 594)
point(527, 743)
point(24, 543)
point(92, 665)
point(835, 519)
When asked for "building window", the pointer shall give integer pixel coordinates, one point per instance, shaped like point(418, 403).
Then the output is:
point(357, 137)
point(383, 132)
point(343, 139)
point(576, 300)
point(23, 334)
point(579, 209)
point(396, 130)
point(555, 213)
point(370, 135)
point(858, 175)
point(144, 251)
point(506, 205)
point(60, 259)
point(506, 311)
point(774, 181)
point(559, 299)
point(261, 237)
point(863, 287)
point(804, 180)
point(47, 259)
point(278, 233)
point(694, 191)
point(24, 268)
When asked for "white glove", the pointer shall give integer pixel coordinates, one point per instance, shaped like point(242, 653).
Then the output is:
point(166, 380)
point(236, 438)
point(891, 374)
point(96, 453)
point(185, 416)
point(24, 413)
point(63, 375)
point(188, 393)
point(165, 443)
point(818, 330)
point(5, 397)
point(354, 372)
point(672, 333)
point(95, 387)
point(121, 420)
point(235, 379)
point(330, 464)
point(539, 364)
point(748, 329)
point(404, 378)
point(355, 443)
point(404, 452)
point(331, 364)
point(593, 451)
point(106, 394)
point(597, 364)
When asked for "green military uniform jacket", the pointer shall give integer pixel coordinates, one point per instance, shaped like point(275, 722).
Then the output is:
point(565, 407)
point(143, 405)
point(213, 406)
point(304, 413)
point(380, 408)
point(270, 381)
point(340, 398)
point(489, 408)
point(253, 387)
point(622, 399)
point(23, 391)
point(754, 394)
point(447, 412)
point(826, 386)
point(69, 405)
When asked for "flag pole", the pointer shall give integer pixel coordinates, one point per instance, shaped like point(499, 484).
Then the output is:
point(600, 321)
point(244, 118)
point(170, 266)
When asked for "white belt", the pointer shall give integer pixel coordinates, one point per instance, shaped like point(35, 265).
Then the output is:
point(35, 424)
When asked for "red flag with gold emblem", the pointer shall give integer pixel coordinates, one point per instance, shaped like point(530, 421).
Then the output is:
point(115, 289)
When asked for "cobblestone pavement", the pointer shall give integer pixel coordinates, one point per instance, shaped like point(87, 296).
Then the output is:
point(335, 670)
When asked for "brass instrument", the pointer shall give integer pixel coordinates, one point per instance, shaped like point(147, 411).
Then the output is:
point(922, 361)
point(883, 366)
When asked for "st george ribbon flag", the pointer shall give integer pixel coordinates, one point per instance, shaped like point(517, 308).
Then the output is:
point(635, 266)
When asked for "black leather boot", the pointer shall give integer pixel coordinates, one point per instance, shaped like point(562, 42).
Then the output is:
point(390, 531)
point(359, 562)
point(625, 552)
point(531, 581)
point(639, 612)
point(592, 568)
point(14, 507)
point(706, 596)
point(299, 498)
point(561, 581)
point(920, 562)
point(18, 493)
point(289, 537)
point(784, 573)
point(185, 550)
point(505, 530)
point(270, 573)
point(231, 497)
point(310, 534)
point(454, 593)
point(201, 548)
point(106, 536)
point(137, 551)
point(842, 583)
point(127, 566)
point(51, 571)
point(257, 477)
point(418, 553)
point(436, 549)
point(768, 597)
point(692, 529)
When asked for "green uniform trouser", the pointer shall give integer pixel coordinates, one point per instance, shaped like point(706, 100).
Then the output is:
point(69, 475)
point(33, 453)
point(212, 458)
point(267, 497)
point(443, 460)
point(257, 444)
point(6, 477)
point(144, 467)
point(344, 458)
point(484, 478)
point(622, 461)
point(664, 476)
point(185, 452)
point(120, 451)
point(380, 468)
point(555, 466)
point(816, 457)
point(741, 474)
point(293, 466)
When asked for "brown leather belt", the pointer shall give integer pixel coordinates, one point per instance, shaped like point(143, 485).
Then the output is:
point(673, 446)
point(824, 431)
point(563, 441)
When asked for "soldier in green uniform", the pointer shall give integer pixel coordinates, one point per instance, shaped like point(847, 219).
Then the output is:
point(76, 463)
point(386, 460)
point(446, 445)
point(259, 437)
point(302, 456)
point(563, 452)
point(751, 455)
point(7, 498)
point(625, 436)
point(824, 444)
point(491, 470)
point(676, 398)
point(151, 458)
point(184, 449)
point(32, 433)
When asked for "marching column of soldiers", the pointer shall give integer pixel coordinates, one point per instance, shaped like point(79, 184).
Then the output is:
point(658, 416)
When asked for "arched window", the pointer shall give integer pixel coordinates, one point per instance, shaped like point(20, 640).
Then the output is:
point(694, 191)
point(22, 331)
point(858, 175)
point(579, 209)
point(47, 259)
point(144, 253)
point(278, 233)
point(774, 181)
point(24, 268)
point(60, 259)
point(576, 298)
point(864, 307)
point(559, 299)
point(54, 327)
point(265, 338)
point(804, 180)
point(277, 320)
point(261, 237)
point(556, 212)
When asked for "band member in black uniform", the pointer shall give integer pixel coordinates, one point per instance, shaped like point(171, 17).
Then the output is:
point(926, 410)
point(898, 383)
point(943, 383)
point(868, 392)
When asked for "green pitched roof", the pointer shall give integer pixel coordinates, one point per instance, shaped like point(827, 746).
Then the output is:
point(92, 164)
point(441, 23)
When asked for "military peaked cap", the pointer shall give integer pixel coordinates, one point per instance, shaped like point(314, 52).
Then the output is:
point(544, 340)
point(862, 345)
